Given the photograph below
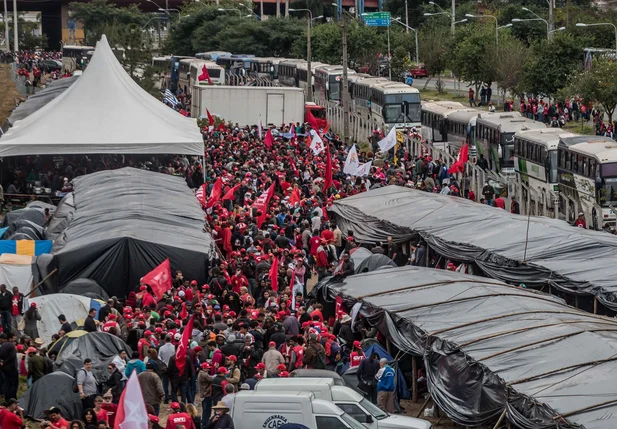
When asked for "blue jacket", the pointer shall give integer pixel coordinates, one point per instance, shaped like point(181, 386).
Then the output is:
point(386, 382)
point(137, 364)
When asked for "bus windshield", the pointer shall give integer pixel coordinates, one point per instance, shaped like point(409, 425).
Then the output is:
point(507, 150)
point(335, 90)
point(608, 192)
point(397, 113)
point(553, 178)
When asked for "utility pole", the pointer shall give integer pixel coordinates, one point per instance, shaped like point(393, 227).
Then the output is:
point(551, 18)
point(15, 33)
point(6, 26)
point(406, 17)
point(345, 97)
point(309, 95)
point(453, 13)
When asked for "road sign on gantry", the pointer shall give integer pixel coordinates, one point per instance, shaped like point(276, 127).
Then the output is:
point(377, 19)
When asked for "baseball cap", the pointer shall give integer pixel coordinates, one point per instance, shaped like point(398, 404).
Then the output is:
point(222, 370)
point(271, 344)
point(245, 386)
point(232, 358)
point(260, 365)
point(177, 337)
point(174, 406)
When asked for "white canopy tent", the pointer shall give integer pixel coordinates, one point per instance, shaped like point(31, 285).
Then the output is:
point(104, 112)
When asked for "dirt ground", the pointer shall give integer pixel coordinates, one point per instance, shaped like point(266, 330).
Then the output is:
point(9, 97)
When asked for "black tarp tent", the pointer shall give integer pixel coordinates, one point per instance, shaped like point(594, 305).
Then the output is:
point(86, 287)
point(52, 390)
point(489, 347)
point(125, 223)
point(574, 260)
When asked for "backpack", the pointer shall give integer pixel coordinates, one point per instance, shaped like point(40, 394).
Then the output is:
point(320, 359)
point(162, 368)
point(75, 387)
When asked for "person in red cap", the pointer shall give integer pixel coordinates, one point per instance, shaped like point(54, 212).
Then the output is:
point(356, 356)
point(179, 418)
point(272, 359)
point(321, 259)
point(204, 385)
point(218, 384)
point(111, 326)
point(233, 372)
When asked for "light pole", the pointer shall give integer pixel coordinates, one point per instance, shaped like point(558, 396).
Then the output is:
point(515, 20)
point(309, 70)
point(452, 13)
point(415, 34)
point(345, 95)
point(557, 29)
point(460, 22)
point(15, 33)
point(407, 27)
point(548, 26)
point(581, 24)
point(316, 18)
point(220, 9)
point(469, 15)
point(161, 9)
point(250, 10)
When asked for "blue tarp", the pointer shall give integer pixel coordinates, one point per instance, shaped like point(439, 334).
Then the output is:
point(401, 385)
point(25, 247)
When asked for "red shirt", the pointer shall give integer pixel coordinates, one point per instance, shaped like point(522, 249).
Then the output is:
point(180, 419)
point(102, 416)
point(314, 243)
point(111, 409)
point(355, 358)
point(61, 423)
point(499, 202)
point(9, 420)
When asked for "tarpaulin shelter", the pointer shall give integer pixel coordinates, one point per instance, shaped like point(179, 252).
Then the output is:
point(26, 247)
point(52, 390)
point(104, 112)
point(35, 101)
point(17, 271)
point(490, 348)
point(573, 260)
point(101, 347)
point(373, 263)
point(74, 307)
point(86, 287)
point(125, 223)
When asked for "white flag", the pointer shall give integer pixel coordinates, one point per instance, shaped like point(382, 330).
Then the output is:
point(364, 169)
point(352, 163)
point(317, 144)
point(260, 129)
point(131, 412)
point(389, 141)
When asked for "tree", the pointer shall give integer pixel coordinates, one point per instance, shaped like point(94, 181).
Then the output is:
point(400, 62)
point(597, 84)
point(551, 63)
point(509, 65)
point(433, 41)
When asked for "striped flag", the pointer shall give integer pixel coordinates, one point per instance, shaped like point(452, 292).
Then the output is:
point(170, 98)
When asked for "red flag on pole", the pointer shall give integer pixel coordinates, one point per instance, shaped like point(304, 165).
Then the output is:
point(328, 178)
point(325, 130)
point(183, 313)
point(201, 194)
point(229, 195)
point(217, 191)
point(204, 75)
point(261, 204)
point(459, 164)
point(274, 274)
point(210, 118)
point(268, 140)
point(131, 413)
point(159, 279)
point(294, 197)
point(312, 121)
point(184, 343)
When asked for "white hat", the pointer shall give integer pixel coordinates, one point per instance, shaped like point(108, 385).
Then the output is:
point(345, 318)
point(177, 337)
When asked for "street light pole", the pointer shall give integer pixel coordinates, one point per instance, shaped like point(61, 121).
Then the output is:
point(539, 18)
point(345, 95)
point(469, 15)
point(15, 32)
point(581, 24)
point(548, 34)
point(309, 70)
point(406, 17)
point(453, 13)
point(6, 26)
point(416, 36)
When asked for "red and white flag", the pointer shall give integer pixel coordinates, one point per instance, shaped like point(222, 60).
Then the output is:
point(184, 343)
point(131, 412)
point(210, 121)
point(201, 194)
point(459, 164)
point(261, 204)
point(159, 279)
point(217, 191)
point(317, 144)
point(295, 197)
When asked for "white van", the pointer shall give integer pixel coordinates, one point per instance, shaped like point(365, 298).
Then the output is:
point(269, 410)
point(347, 399)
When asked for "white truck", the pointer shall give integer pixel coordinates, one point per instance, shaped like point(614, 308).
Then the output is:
point(269, 410)
point(247, 105)
point(345, 398)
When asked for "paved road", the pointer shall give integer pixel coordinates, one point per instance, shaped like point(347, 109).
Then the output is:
point(451, 85)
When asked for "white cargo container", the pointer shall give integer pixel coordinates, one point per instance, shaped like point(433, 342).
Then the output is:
point(246, 105)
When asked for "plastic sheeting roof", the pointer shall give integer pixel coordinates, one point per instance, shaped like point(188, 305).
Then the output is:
point(105, 111)
point(41, 98)
point(125, 223)
point(490, 347)
point(574, 260)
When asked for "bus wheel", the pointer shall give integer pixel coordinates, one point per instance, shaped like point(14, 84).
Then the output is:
point(594, 221)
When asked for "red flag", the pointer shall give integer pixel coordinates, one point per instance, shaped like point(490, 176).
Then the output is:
point(201, 194)
point(183, 312)
point(184, 343)
point(221, 127)
point(274, 274)
point(210, 118)
point(459, 164)
point(131, 412)
point(325, 130)
point(159, 279)
point(294, 197)
point(328, 178)
point(339, 304)
point(229, 195)
point(261, 204)
point(268, 140)
point(217, 191)
point(205, 75)
point(312, 121)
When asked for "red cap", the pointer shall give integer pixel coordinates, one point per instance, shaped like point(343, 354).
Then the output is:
point(284, 374)
point(271, 344)
point(33, 305)
point(143, 288)
point(153, 418)
point(260, 365)
point(19, 348)
point(147, 333)
point(232, 358)
point(193, 282)
point(111, 316)
point(222, 370)
point(158, 330)
point(357, 344)
point(174, 406)
point(232, 314)
point(198, 349)
point(205, 365)
point(281, 367)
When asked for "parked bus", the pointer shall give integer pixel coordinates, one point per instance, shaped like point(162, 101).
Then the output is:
point(265, 67)
point(74, 57)
point(587, 168)
point(394, 104)
point(216, 72)
point(212, 55)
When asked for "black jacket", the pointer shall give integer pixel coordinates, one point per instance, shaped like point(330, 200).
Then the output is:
point(89, 325)
point(6, 301)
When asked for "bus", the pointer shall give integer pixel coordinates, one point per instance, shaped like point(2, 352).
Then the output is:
point(74, 56)
point(184, 72)
point(161, 67)
point(235, 64)
point(587, 169)
point(494, 138)
point(212, 55)
point(361, 94)
point(216, 72)
point(443, 132)
point(329, 81)
point(288, 72)
point(265, 67)
point(535, 164)
point(461, 129)
point(394, 104)
point(302, 70)
point(174, 72)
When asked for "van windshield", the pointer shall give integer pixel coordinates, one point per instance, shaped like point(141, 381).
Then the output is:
point(353, 423)
point(373, 409)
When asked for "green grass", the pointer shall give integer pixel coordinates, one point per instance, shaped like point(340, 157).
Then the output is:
point(577, 127)
point(432, 94)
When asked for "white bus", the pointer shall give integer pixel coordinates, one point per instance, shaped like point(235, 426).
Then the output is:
point(587, 168)
point(494, 138)
point(329, 82)
point(461, 129)
point(212, 55)
point(395, 104)
point(184, 72)
point(535, 164)
point(361, 94)
point(216, 72)
point(302, 69)
point(288, 72)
